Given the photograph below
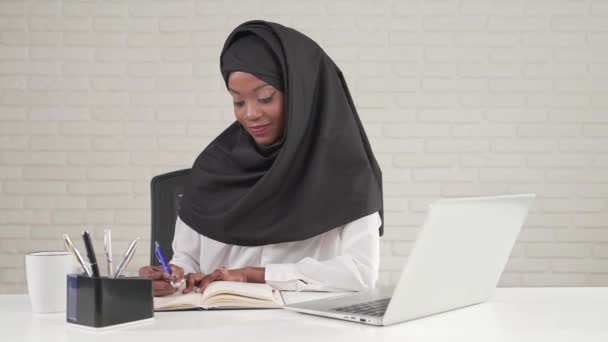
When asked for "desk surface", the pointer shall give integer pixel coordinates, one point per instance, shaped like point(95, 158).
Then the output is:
point(513, 314)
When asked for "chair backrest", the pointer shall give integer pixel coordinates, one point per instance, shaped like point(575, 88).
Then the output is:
point(166, 195)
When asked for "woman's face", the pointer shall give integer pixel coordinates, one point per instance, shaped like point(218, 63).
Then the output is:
point(258, 107)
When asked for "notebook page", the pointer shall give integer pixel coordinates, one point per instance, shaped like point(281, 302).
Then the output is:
point(252, 290)
point(178, 300)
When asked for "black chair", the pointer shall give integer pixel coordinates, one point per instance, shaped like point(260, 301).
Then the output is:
point(166, 194)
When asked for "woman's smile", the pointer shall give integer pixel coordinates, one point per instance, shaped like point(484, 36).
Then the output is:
point(258, 130)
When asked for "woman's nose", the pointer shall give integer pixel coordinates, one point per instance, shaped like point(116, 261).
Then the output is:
point(252, 113)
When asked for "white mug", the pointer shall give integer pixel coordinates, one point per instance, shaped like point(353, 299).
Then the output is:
point(46, 279)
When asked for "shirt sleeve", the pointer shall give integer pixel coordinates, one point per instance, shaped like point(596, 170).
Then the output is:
point(354, 269)
point(186, 248)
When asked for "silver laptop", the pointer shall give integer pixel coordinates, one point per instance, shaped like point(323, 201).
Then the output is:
point(457, 260)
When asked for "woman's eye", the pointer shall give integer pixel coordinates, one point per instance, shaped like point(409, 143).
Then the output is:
point(266, 99)
point(239, 103)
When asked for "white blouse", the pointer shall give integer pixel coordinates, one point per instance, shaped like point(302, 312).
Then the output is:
point(343, 259)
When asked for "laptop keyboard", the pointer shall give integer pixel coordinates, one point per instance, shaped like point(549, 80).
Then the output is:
point(372, 308)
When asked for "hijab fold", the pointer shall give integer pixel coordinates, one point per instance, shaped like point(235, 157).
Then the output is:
point(321, 173)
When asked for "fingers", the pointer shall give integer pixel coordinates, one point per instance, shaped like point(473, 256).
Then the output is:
point(161, 280)
point(192, 279)
point(152, 272)
point(162, 288)
point(177, 273)
point(218, 274)
point(189, 283)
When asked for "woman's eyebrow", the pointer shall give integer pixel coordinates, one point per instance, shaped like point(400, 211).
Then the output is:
point(254, 89)
point(260, 86)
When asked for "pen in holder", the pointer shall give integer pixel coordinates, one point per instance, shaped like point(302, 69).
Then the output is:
point(100, 302)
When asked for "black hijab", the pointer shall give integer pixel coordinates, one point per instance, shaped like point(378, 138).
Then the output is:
point(321, 174)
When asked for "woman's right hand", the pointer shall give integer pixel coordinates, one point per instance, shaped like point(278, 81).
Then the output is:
point(161, 281)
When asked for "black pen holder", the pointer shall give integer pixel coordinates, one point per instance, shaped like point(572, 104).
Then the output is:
point(100, 302)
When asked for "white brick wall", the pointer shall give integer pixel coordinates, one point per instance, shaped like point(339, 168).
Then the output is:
point(459, 98)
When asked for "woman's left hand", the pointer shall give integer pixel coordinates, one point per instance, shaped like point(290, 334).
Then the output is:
point(243, 275)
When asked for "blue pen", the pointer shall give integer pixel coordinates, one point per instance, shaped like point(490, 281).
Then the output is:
point(161, 257)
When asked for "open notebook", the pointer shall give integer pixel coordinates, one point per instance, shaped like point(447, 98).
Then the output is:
point(222, 295)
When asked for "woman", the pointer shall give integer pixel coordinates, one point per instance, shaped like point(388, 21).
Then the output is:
point(290, 194)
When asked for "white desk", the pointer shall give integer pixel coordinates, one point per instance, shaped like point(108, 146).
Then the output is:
point(532, 314)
